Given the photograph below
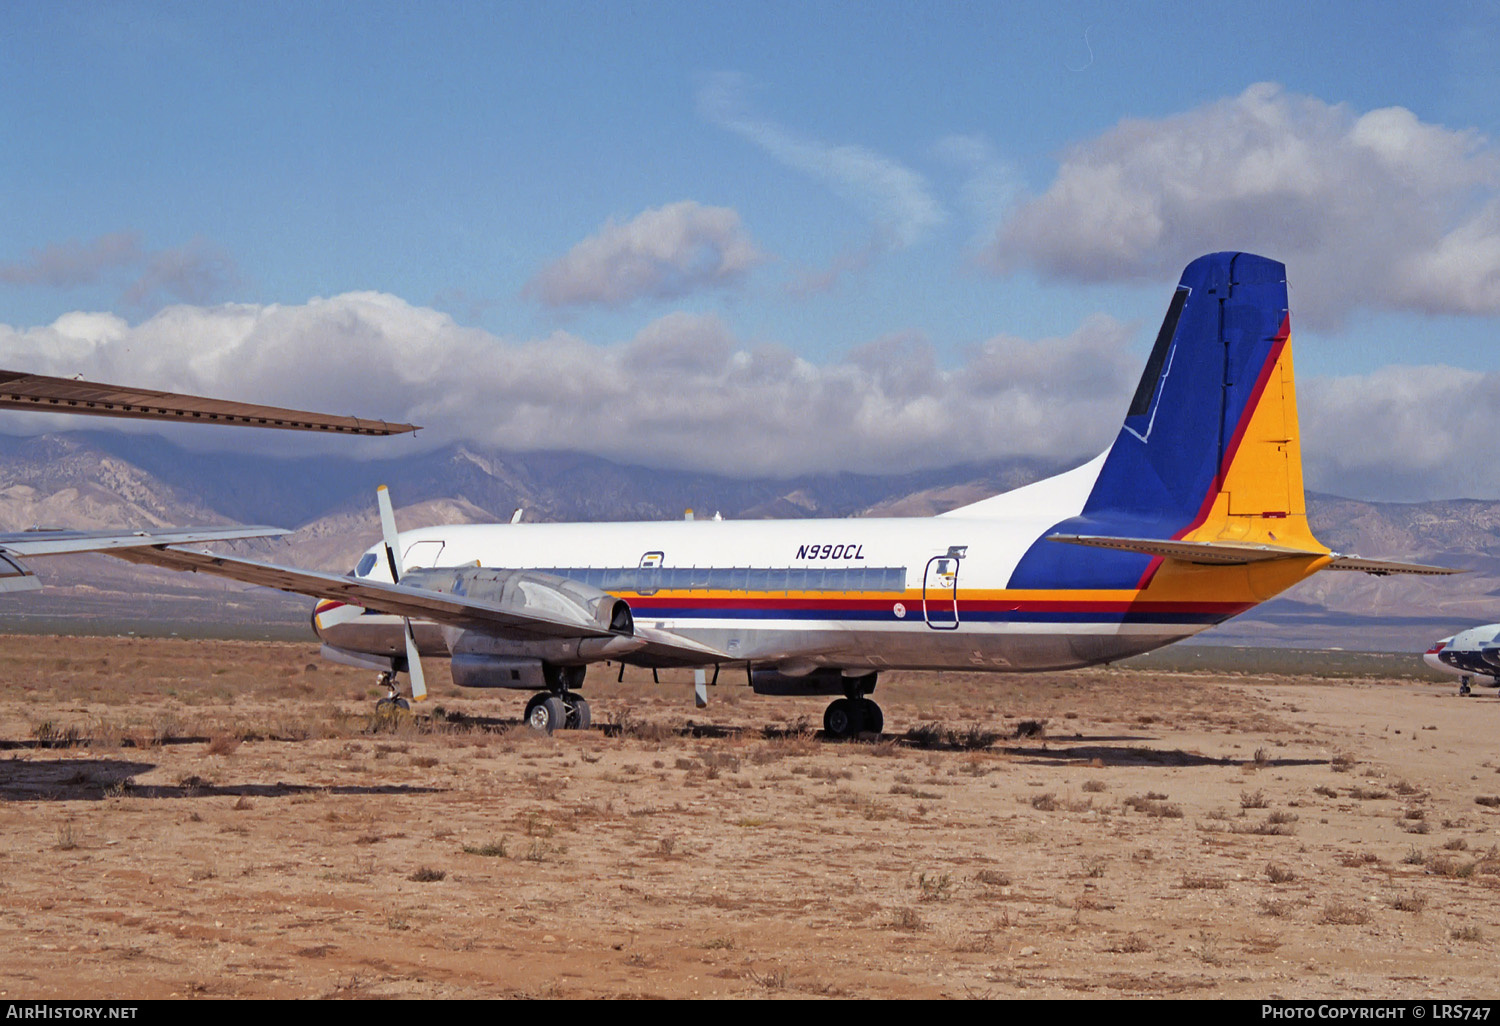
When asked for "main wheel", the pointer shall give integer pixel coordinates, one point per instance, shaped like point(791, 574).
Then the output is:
point(842, 718)
point(391, 704)
point(546, 713)
point(874, 719)
point(578, 716)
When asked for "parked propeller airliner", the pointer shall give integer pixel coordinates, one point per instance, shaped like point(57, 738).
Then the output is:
point(1472, 653)
point(1193, 515)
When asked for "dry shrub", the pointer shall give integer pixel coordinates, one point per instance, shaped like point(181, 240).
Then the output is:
point(222, 744)
point(1193, 882)
point(907, 919)
point(1253, 799)
point(1341, 913)
point(1277, 873)
point(1456, 869)
point(1151, 805)
point(1410, 902)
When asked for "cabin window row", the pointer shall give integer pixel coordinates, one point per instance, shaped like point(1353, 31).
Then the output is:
point(646, 579)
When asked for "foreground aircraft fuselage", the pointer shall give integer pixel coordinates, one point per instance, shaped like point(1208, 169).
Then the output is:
point(855, 594)
point(1194, 514)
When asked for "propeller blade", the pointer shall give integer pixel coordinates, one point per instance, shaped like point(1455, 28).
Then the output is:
point(388, 533)
point(414, 666)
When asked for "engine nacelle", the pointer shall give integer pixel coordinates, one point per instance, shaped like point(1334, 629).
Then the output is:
point(532, 593)
point(489, 671)
point(513, 659)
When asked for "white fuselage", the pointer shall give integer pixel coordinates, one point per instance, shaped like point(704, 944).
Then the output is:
point(929, 592)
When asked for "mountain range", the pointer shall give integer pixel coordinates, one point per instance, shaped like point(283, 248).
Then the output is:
point(100, 479)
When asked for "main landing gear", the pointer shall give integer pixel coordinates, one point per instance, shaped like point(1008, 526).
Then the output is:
point(854, 714)
point(558, 708)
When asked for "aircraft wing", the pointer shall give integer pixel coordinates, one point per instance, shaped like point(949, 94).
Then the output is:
point(16, 576)
point(22, 391)
point(1227, 553)
point(61, 542)
point(409, 601)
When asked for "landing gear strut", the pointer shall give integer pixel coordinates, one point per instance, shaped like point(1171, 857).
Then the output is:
point(854, 714)
point(559, 708)
point(1463, 685)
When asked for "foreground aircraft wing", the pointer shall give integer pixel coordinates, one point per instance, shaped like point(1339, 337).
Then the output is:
point(22, 391)
point(422, 603)
point(1225, 553)
point(16, 576)
point(61, 542)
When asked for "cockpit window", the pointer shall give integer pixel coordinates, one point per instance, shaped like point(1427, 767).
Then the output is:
point(366, 564)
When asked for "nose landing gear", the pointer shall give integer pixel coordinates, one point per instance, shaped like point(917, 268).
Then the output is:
point(393, 700)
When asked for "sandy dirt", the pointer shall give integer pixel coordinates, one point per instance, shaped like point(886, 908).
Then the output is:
point(189, 818)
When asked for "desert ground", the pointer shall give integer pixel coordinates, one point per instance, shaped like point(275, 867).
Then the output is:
point(230, 818)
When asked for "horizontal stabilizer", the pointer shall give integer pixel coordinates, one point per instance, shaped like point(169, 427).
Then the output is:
point(1210, 552)
point(1219, 553)
point(1381, 567)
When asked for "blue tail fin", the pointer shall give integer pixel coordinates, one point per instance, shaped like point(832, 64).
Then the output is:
point(1218, 355)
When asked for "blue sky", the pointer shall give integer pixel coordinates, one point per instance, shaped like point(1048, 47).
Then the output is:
point(559, 208)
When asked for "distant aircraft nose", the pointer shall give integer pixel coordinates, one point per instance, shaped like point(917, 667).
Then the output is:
point(1431, 657)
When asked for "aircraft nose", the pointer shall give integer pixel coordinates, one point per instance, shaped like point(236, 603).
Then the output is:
point(1431, 656)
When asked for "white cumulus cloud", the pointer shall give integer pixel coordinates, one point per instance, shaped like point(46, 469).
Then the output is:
point(665, 252)
point(684, 392)
point(1402, 433)
point(1378, 209)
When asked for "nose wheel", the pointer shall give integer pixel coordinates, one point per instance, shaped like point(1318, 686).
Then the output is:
point(393, 699)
